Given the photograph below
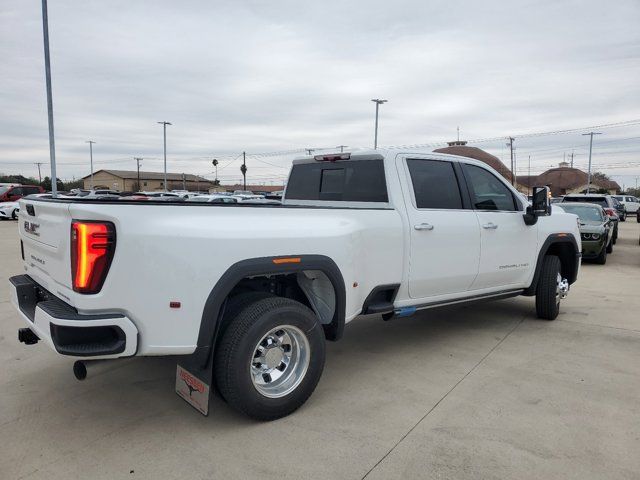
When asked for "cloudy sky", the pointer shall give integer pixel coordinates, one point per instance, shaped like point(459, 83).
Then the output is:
point(279, 76)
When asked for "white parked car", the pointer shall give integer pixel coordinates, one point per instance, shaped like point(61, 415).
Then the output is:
point(9, 210)
point(631, 203)
point(212, 199)
point(254, 291)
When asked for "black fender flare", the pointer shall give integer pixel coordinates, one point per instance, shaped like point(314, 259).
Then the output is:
point(554, 239)
point(214, 306)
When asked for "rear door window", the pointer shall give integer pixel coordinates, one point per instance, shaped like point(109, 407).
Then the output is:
point(435, 184)
point(347, 181)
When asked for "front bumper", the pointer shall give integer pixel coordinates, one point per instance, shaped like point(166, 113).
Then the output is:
point(591, 249)
point(69, 332)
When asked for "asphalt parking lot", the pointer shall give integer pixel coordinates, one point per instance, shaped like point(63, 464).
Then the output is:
point(484, 391)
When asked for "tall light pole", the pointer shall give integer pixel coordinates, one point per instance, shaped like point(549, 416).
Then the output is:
point(591, 134)
point(91, 142)
point(215, 164)
point(164, 129)
point(378, 102)
point(47, 73)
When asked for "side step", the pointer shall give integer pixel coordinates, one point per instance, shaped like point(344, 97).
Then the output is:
point(380, 308)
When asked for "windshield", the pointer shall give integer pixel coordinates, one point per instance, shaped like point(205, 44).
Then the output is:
point(3, 190)
point(584, 212)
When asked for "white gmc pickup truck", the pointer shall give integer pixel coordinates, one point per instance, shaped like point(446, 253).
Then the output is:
point(247, 294)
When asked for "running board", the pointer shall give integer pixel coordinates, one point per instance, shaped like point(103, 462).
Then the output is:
point(410, 310)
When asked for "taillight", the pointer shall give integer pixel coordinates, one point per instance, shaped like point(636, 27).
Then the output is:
point(92, 247)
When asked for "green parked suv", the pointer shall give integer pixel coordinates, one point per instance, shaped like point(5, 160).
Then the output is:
point(596, 230)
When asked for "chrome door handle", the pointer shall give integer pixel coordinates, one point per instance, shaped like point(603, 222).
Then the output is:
point(423, 226)
point(490, 226)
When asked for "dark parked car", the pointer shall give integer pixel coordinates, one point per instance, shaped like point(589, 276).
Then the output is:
point(14, 193)
point(596, 232)
point(620, 210)
point(605, 201)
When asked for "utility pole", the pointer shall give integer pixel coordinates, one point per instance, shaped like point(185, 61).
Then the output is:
point(47, 73)
point(243, 169)
point(39, 174)
point(184, 182)
point(378, 102)
point(590, 134)
point(309, 150)
point(510, 145)
point(138, 160)
point(529, 175)
point(91, 142)
point(458, 133)
point(342, 147)
point(164, 128)
point(572, 158)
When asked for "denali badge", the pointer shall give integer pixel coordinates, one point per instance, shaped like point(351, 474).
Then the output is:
point(32, 228)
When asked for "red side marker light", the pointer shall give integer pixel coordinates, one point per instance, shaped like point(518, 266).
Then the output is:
point(174, 304)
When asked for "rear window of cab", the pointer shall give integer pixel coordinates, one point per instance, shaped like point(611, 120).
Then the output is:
point(346, 181)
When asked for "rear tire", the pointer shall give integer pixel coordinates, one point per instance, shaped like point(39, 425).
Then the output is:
point(14, 215)
point(278, 330)
point(623, 218)
point(601, 259)
point(547, 295)
point(615, 236)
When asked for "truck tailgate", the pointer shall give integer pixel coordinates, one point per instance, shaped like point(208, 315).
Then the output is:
point(45, 233)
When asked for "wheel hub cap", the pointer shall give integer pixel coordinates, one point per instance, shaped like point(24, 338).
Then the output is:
point(280, 361)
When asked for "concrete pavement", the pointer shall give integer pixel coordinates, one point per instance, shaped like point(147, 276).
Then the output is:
point(484, 391)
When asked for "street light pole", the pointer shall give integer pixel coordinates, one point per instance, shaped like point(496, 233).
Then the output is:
point(590, 134)
point(378, 102)
point(91, 142)
point(164, 129)
point(47, 72)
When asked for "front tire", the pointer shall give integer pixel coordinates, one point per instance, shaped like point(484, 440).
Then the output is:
point(623, 218)
point(610, 247)
point(270, 358)
point(547, 290)
point(14, 215)
point(601, 259)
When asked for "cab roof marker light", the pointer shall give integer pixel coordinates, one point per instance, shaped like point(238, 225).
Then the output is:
point(332, 157)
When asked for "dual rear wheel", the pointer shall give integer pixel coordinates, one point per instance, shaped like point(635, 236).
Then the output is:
point(270, 356)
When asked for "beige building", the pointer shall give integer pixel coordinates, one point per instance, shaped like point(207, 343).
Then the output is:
point(127, 181)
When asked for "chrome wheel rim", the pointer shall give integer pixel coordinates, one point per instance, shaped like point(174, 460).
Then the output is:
point(280, 361)
point(562, 288)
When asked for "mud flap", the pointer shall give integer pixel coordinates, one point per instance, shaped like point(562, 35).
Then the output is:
point(193, 383)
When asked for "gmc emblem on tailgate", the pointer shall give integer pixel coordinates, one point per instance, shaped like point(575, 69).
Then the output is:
point(32, 228)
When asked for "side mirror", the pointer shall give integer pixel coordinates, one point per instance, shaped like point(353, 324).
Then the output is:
point(540, 205)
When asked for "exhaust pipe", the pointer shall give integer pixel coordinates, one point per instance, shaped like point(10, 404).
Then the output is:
point(26, 336)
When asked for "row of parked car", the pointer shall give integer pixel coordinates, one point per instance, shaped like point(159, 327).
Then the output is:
point(599, 216)
point(10, 195)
